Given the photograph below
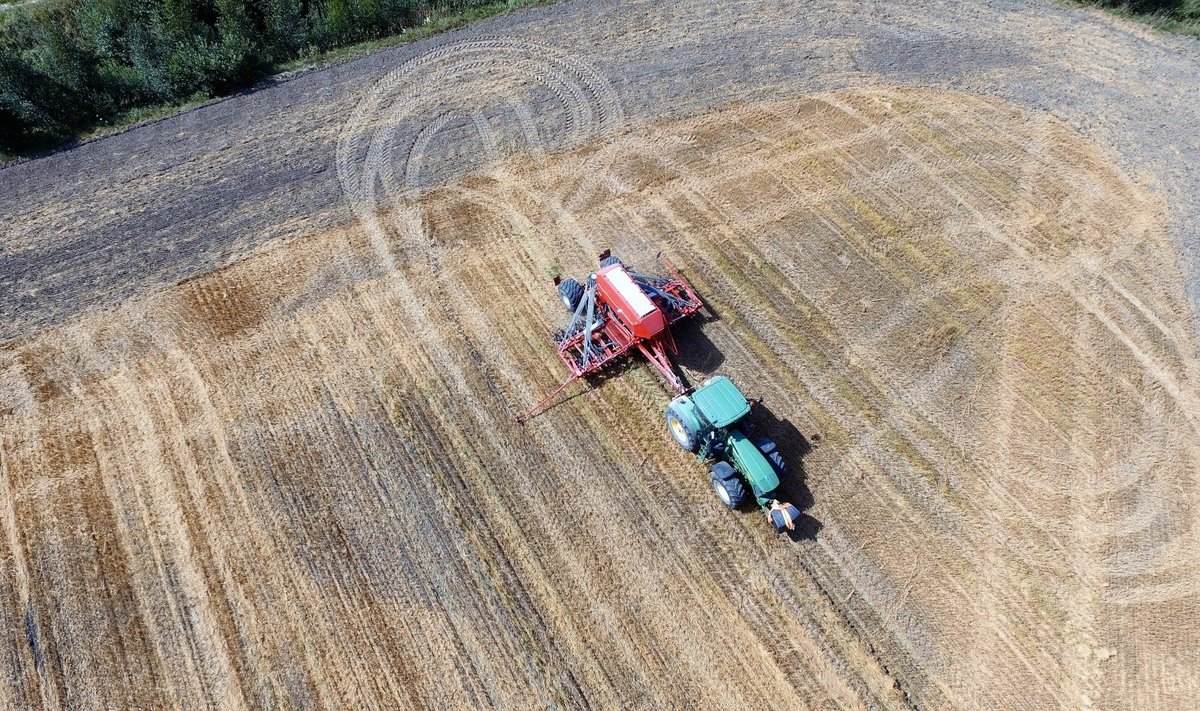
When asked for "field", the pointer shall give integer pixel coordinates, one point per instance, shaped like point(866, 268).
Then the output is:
point(263, 452)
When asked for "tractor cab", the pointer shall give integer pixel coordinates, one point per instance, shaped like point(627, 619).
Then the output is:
point(720, 402)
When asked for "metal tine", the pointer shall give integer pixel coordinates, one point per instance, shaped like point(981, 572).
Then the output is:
point(590, 324)
point(570, 329)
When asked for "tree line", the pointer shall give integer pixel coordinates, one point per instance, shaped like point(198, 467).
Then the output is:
point(1178, 15)
point(1176, 9)
point(67, 66)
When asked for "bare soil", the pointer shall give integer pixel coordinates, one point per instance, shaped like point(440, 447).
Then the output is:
point(295, 479)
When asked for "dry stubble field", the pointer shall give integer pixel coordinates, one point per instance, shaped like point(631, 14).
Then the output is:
point(297, 481)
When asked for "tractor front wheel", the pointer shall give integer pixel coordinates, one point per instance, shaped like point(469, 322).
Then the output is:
point(571, 292)
point(681, 426)
point(609, 261)
point(727, 485)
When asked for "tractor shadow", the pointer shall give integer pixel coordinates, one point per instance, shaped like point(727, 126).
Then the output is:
point(794, 446)
point(697, 353)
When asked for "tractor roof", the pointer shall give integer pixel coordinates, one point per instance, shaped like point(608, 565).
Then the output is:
point(720, 402)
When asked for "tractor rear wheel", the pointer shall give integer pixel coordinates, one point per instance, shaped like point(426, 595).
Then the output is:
point(727, 485)
point(681, 426)
point(570, 291)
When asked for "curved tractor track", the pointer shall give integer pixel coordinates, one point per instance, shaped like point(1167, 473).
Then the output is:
point(296, 479)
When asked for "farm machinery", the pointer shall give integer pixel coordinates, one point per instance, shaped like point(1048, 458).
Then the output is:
point(617, 311)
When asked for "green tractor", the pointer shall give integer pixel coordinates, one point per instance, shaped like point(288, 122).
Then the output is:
point(714, 423)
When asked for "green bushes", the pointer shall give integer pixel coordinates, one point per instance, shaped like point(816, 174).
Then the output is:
point(1174, 9)
point(1174, 15)
point(67, 66)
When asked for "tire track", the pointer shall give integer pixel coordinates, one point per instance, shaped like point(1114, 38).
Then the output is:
point(308, 464)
